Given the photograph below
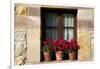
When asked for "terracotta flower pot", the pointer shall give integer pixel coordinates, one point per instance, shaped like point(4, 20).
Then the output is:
point(72, 55)
point(47, 56)
point(59, 55)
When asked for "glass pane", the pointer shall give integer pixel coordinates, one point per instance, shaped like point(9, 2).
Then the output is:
point(48, 33)
point(66, 34)
point(52, 33)
point(65, 20)
point(70, 34)
point(51, 19)
point(68, 20)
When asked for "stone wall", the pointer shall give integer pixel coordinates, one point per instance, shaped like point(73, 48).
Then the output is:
point(20, 43)
point(85, 29)
point(20, 35)
point(31, 24)
point(33, 35)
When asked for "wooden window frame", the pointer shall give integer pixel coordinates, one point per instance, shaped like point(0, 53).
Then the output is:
point(59, 11)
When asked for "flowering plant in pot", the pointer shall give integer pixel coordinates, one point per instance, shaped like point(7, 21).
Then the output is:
point(66, 48)
point(58, 48)
point(72, 48)
point(46, 49)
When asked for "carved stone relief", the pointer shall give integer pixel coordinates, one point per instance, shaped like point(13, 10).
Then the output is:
point(20, 47)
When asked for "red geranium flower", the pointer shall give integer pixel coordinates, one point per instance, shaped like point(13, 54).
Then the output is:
point(73, 45)
point(56, 43)
point(61, 41)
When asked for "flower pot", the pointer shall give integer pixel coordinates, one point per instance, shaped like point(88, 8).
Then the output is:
point(72, 56)
point(47, 56)
point(59, 55)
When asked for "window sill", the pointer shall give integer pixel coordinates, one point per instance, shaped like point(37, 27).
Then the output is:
point(63, 61)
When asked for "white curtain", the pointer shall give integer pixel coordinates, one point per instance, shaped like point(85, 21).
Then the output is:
point(69, 23)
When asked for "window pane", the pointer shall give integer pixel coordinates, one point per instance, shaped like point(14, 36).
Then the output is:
point(70, 34)
point(55, 34)
point(68, 20)
point(48, 33)
point(52, 33)
point(66, 34)
point(51, 20)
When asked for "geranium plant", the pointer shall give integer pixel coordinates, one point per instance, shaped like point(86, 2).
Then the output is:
point(66, 47)
point(47, 45)
point(58, 45)
point(71, 46)
point(46, 49)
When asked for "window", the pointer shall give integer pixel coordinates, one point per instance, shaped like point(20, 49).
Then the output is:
point(51, 26)
point(56, 23)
